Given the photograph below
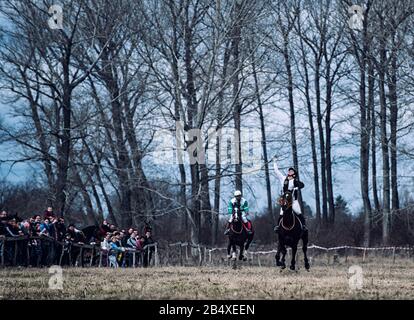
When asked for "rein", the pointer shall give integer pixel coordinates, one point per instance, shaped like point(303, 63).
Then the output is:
point(294, 219)
point(237, 232)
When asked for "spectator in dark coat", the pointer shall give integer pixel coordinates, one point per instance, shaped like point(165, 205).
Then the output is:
point(12, 229)
point(148, 252)
point(76, 235)
point(3, 223)
point(60, 229)
point(48, 214)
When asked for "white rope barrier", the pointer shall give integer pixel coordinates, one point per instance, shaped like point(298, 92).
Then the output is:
point(210, 250)
point(360, 248)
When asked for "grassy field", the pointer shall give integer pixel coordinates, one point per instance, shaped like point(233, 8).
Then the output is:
point(380, 281)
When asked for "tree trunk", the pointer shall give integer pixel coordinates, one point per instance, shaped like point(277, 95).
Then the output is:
point(321, 142)
point(217, 187)
point(142, 194)
point(371, 108)
point(193, 153)
point(235, 50)
point(312, 136)
point(217, 177)
point(65, 147)
point(328, 130)
point(384, 147)
point(264, 146)
point(392, 87)
point(205, 204)
point(179, 129)
point(86, 198)
point(292, 111)
point(364, 140)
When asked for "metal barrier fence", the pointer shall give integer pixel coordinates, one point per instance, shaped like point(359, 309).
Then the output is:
point(23, 250)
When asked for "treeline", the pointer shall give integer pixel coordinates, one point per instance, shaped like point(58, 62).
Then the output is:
point(89, 100)
point(26, 200)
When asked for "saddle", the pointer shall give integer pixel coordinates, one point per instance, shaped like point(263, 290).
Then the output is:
point(246, 226)
point(295, 219)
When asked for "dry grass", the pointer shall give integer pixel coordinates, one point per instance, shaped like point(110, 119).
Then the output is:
point(384, 281)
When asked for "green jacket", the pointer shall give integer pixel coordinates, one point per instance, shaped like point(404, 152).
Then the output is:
point(244, 206)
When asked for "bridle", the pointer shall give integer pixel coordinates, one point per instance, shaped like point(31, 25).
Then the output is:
point(287, 204)
point(284, 202)
point(236, 218)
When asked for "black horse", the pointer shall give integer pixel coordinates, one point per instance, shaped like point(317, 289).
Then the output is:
point(290, 232)
point(92, 234)
point(238, 236)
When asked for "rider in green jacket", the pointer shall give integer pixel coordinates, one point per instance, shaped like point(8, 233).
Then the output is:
point(243, 206)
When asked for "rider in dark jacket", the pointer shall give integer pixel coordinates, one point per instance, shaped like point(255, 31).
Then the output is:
point(290, 183)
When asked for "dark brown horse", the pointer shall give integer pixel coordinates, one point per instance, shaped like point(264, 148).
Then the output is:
point(238, 236)
point(290, 232)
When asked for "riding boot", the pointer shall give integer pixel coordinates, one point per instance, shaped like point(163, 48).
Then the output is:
point(302, 221)
point(276, 229)
point(248, 227)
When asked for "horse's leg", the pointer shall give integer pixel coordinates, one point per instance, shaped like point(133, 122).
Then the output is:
point(284, 251)
point(241, 256)
point(248, 242)
point(234, 254)
point(277, 256)
point(228, 250)
point(293, 261)
point(305, 249)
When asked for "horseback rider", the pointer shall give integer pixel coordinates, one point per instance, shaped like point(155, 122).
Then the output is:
point(241, 204)
point(290, 183)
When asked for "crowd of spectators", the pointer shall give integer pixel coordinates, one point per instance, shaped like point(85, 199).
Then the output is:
point(47, 240)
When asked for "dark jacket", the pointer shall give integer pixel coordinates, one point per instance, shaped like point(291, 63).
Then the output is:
point(297, 184)
point(60, 229)
point(48, 215)
point(12, 231)
point(76, 236)
point(2, 229)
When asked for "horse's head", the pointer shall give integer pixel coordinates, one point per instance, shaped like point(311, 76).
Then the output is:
point(236, 214)
point(286, 199)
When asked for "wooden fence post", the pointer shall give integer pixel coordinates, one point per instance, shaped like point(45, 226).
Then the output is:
point(2, 245)
point(92, 256)
point(393, 255)
point(156, 260)
point(100, 258)
point(27, 253)
point(15, 253)
point(81, 255)
point(134, 258)
point(364, 255)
